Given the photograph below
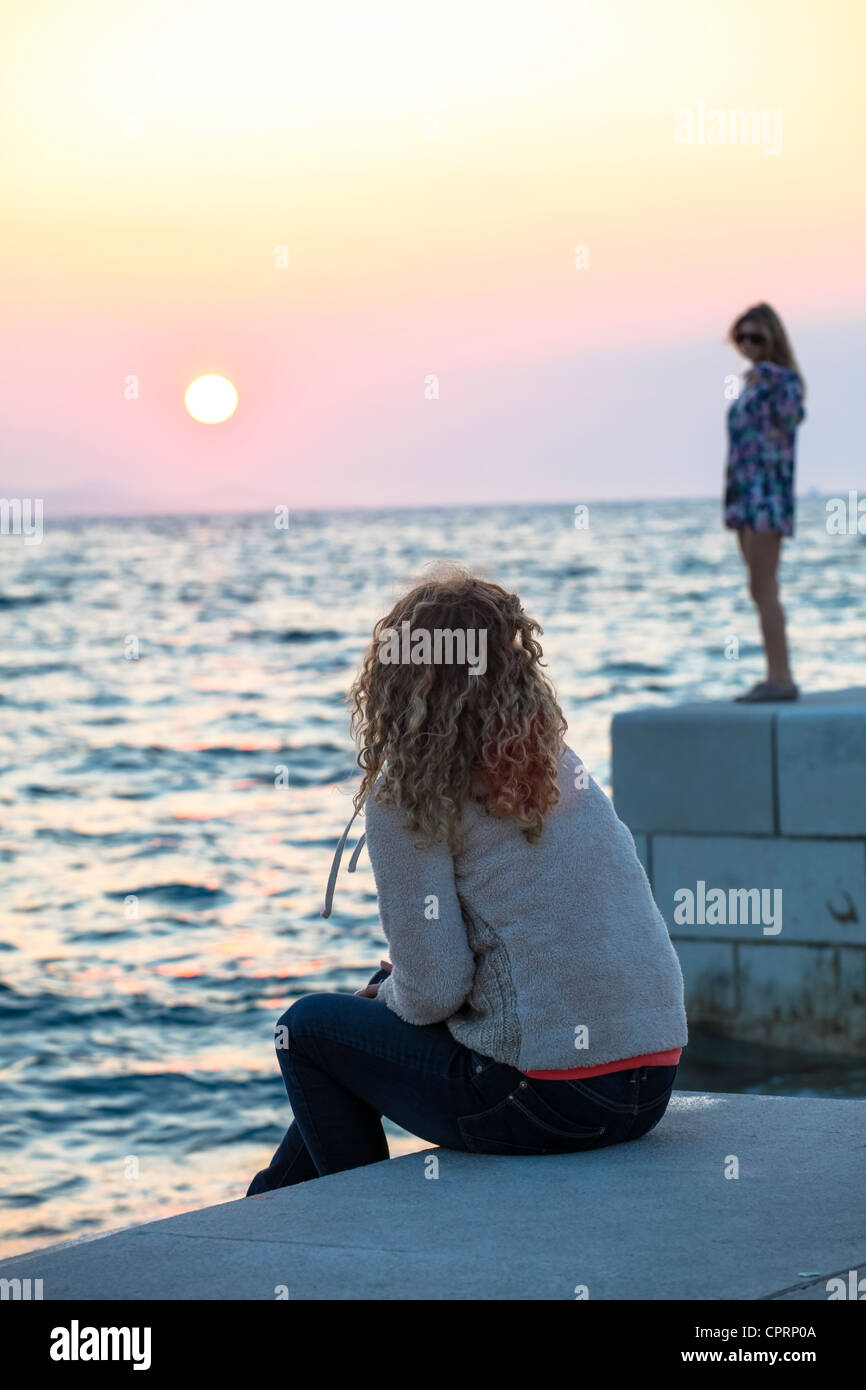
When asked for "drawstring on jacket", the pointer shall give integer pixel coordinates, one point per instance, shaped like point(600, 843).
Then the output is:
point(335, 865)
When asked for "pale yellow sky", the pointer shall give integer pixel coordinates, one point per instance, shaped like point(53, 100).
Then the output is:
point(430, 171)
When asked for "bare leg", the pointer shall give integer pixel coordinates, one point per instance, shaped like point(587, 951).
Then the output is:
point(761, 550)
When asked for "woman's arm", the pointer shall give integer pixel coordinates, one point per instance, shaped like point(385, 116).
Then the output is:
point(779, 396)
point(433, 966)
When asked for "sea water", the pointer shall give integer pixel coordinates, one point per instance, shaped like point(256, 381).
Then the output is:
point(175, 768)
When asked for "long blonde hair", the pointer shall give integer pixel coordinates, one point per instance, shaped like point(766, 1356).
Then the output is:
point(440, 736)
point(781, 351)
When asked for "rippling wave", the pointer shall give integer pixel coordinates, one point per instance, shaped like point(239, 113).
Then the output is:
point(161, 888)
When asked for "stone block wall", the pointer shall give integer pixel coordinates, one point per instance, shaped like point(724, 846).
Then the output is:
point(750, 821)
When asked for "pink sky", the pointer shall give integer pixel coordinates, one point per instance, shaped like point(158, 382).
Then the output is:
point(431, 174)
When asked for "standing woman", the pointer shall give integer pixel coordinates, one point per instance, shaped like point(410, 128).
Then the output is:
point(759, 497)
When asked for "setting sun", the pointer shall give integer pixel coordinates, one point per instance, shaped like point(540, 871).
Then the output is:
point(211, 399)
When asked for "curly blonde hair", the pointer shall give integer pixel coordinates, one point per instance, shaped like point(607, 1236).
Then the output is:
point(439, 736)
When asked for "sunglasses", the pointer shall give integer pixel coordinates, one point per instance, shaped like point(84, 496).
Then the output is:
point(755, 338)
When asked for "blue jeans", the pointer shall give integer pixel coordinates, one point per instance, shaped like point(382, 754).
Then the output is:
point(347, 1061)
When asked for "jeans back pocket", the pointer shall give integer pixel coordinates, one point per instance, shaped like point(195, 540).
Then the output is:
point(517, 1125)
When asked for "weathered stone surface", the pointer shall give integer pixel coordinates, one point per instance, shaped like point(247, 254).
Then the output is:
point(656, 1219)
point(822, 768)
point(701, 768)
point(640, 844)
point(822, 885)
point(791, 996)
point(710, 975)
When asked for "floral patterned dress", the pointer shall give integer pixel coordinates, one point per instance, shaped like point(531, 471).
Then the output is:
point(762, 425)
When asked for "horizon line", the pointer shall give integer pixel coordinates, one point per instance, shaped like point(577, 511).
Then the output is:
point(130, 515)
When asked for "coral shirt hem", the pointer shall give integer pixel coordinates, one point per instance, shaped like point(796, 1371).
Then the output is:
point(649, 1059)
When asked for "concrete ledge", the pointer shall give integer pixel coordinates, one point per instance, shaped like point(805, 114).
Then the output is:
point(654, 1220)
point(822, 767)
point(706, 768)
point(726, 769)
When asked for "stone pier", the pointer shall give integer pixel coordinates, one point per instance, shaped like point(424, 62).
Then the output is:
point(751, 823)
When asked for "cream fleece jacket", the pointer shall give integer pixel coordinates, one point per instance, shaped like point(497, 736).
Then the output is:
point(545, 956)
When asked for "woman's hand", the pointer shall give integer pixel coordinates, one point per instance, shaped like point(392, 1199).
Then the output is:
point(370, 991)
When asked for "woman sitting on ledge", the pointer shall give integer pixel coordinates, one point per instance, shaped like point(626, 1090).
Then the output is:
point(535, 1002)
